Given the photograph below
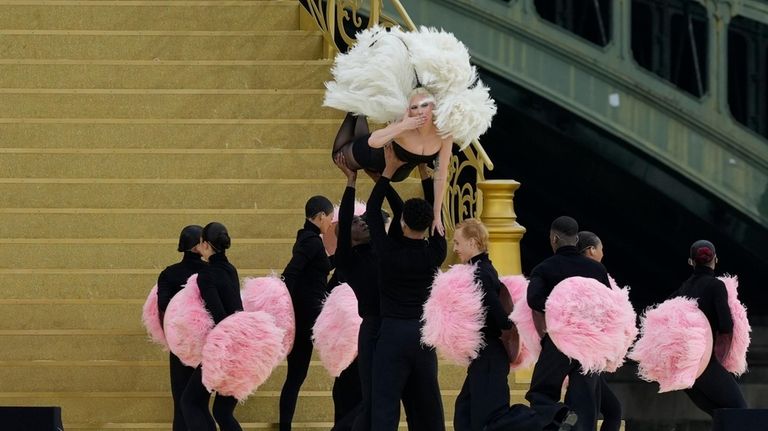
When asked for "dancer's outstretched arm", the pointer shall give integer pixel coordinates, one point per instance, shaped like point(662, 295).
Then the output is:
point(440, 179)
point(384, 136)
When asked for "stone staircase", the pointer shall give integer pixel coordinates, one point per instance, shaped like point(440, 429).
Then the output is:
point(121, 122)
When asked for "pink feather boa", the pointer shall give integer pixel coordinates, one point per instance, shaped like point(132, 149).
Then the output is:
point(187, 323)
point(454, 315)
point(150, 316)
point(736, 361)
point(358, 211)
point(336, 330)
point(269, 294)
point(241, 352)
point(675, 344)
point(522, 317)
point(591, 323)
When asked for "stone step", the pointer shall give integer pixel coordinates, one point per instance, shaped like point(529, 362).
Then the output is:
point(172, 194)
point(160, 45)
point(80, 284)
point(77, 345)
point(163, 74)
point(145, 253)
point(177, 164)
point(165, 426)
point(94, 376)
point(124, 407)
point(165, 134)
point(133, 15)
point(134, 224)
point(164, 104)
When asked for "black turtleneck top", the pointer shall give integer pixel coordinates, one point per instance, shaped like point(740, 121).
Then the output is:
point(173, 278)
point(406, 266)
point(359, 265)
point(495, 317)
point(306, 275)
point(711, 296)
point(566, 262)
point(220, 287)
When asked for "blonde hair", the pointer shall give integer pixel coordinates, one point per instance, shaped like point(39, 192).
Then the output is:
point(474, 229)
point(420, 91)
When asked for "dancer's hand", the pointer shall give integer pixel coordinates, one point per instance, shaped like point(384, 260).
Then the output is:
point(341, 163)
point(410, 123)
point(392, 163)
point(437, 226)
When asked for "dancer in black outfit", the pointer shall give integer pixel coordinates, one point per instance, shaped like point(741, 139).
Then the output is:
point(716, 388)
point(220, 289)
point(589, 245)
point(553, 366)
point(169, 283)
point(306, 277)
point(358, 265)
point(407, 264)
point(485, 393)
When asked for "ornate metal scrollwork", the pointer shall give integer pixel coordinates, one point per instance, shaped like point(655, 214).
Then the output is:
point(339, 21)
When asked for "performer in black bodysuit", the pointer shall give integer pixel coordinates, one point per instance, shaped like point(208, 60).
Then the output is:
point(306, 277)
point(484, 395)
point(171, 280)
point(553, 366)
point(414, 140)
point(220, 289)
point(589, 245)
point(716, 388)
point(356, 261)
point(407, 264)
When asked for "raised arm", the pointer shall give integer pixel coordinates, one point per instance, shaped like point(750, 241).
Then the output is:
point(440, 180)
point(382, 137)
point(346, 212)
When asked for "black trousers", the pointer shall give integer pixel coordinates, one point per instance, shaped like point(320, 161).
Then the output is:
point(366, 345)
point(610, 408)
point(347, 398)
point(485, 393)
point(716, 388)
point(583, 394)
point(298, 360)
point(401, 363)
point(180, 375)
point(194, 404)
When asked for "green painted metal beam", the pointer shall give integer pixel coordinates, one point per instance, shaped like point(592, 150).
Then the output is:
point(696, 137)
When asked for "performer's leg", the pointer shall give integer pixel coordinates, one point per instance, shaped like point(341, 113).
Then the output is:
point(583, 397)
point(224, 413)
point(391, 368)
point(423, 385)
point(180, 375)
point(488, 388)
point(347, 397)
point(610, 407)
point(194, 404)
point(366, 342)
point(547, 379)
point(346, 132)
point(298, 364)
point(462, 411)
point(716, 388)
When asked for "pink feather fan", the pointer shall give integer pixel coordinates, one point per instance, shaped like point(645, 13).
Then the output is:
point(675, 344)
point(187, 323)
point(269, 294)
point(150, 317)
point(358, 211)
point(454, 315)
point(241, 352)
point(522, 317)
point(736, 361)
point(336, 330)
point(591, 323)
